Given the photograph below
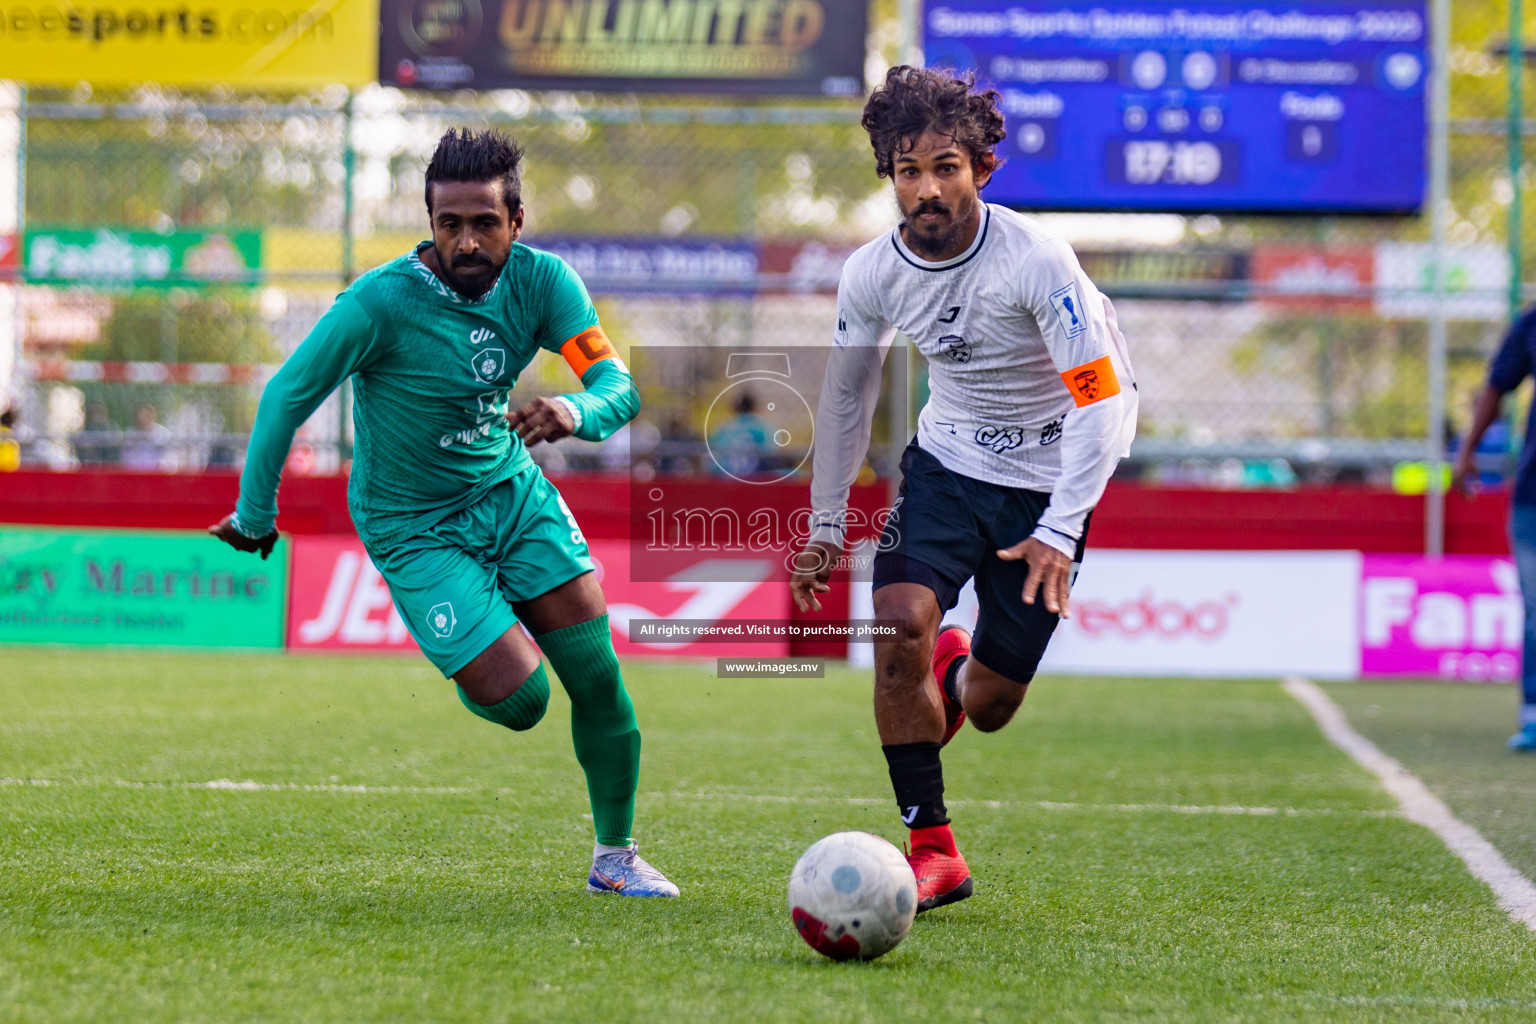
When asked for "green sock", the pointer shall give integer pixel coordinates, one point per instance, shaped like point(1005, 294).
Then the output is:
point(520, 711)
point(603, 726)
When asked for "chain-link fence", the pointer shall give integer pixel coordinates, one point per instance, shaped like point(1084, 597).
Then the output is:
point(175, 248)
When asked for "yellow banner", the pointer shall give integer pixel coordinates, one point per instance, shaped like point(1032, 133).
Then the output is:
point(196, 43)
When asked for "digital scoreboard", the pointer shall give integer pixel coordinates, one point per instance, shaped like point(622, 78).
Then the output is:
point(1310, 106)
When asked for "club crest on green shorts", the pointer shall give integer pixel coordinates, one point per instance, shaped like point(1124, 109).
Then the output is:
point(440, 619)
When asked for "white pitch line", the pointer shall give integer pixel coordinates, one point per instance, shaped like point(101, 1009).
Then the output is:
point(251, 786)
point(1041, 805)
point(1515, 893)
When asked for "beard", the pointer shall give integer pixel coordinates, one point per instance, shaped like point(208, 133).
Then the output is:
point(941, 240)
point(473, 276)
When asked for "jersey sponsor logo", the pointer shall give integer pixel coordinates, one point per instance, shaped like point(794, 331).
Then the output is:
point(489, 363)
point(999, 439)
point(956, 347)
point(491, 404)
point(1051, 432)
point(1069, 310)
point(949, 315)
point(441, 620)
point(466, 436)
point(1092, 382)
point(587, 349)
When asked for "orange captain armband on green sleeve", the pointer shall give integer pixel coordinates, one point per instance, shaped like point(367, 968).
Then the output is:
point(609, 400)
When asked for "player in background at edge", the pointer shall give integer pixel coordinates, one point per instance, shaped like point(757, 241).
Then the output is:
point(1032, 404)
point(460, 522)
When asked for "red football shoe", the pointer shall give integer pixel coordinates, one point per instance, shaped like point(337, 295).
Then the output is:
point(942, 875)
point(953, 642)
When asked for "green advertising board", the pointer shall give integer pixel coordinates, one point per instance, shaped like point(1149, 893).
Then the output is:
point(158, 588)
point(107, 256)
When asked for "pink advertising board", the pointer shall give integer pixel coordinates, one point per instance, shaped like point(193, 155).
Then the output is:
point(339, 602)
point(1460, 617)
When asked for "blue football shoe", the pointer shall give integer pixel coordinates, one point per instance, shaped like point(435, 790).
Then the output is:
point(1524, 741)
point(625, 874)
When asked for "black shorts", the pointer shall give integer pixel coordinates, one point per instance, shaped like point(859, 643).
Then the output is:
point(946, 529)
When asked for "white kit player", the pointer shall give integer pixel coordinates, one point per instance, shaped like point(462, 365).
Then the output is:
point(1032, 404)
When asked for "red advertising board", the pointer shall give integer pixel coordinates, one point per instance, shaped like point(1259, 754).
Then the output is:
point(1304, 277)
point(10, 256)
point(339, 602)
point(802, 266)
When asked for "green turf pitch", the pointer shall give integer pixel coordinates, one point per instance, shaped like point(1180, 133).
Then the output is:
point(1143, 850)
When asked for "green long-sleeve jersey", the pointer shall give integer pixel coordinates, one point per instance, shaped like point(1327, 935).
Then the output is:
point(431, 371)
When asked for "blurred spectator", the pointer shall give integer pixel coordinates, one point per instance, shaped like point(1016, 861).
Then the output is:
point(100, 442)
point(678, 446)
point(740, 444)
point(632, 449)
point(144, 446)
point(10, 447)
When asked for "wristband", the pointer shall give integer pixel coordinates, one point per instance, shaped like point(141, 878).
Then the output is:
point(574, 409)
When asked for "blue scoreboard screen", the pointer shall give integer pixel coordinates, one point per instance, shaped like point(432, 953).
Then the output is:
point(1309, 106)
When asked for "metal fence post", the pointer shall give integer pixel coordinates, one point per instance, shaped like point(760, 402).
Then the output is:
point(1515, 114)
point(348, 273)
point(910, 50)
point(10, 294)
point(1440, 108)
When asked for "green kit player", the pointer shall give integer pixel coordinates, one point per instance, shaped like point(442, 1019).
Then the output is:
point(465, 529)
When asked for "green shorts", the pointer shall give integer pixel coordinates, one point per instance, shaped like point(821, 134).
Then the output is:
point(455, 584)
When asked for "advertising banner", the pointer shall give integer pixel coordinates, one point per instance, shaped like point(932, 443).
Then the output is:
point(618, 265)
point(1200, 613)
point(1265, 105)
point(341, 603)
point(1244, 613)
point(140, 258)
point(1460, 617)
point(216, 42)
point(766, 47)
point(1300, 277)
point(1474, 281)
point(152, 588)
point(803, 267)
point(10, 256)
point(1203, 613)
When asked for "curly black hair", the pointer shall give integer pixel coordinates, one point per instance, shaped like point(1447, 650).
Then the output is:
point(463, 155)
point(914, 100)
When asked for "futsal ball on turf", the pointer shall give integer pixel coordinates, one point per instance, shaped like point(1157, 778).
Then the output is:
point(852, 896)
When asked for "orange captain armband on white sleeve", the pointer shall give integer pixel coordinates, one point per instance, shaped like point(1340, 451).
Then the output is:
point(589, 348)
point(1092, 382)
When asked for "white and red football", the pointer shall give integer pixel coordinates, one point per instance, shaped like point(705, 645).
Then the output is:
point(852, 896)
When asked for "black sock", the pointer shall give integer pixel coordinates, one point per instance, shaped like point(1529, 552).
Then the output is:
point(951, 680)
point(918, 779)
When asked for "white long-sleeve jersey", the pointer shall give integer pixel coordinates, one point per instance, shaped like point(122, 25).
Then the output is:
point(1030, 383)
